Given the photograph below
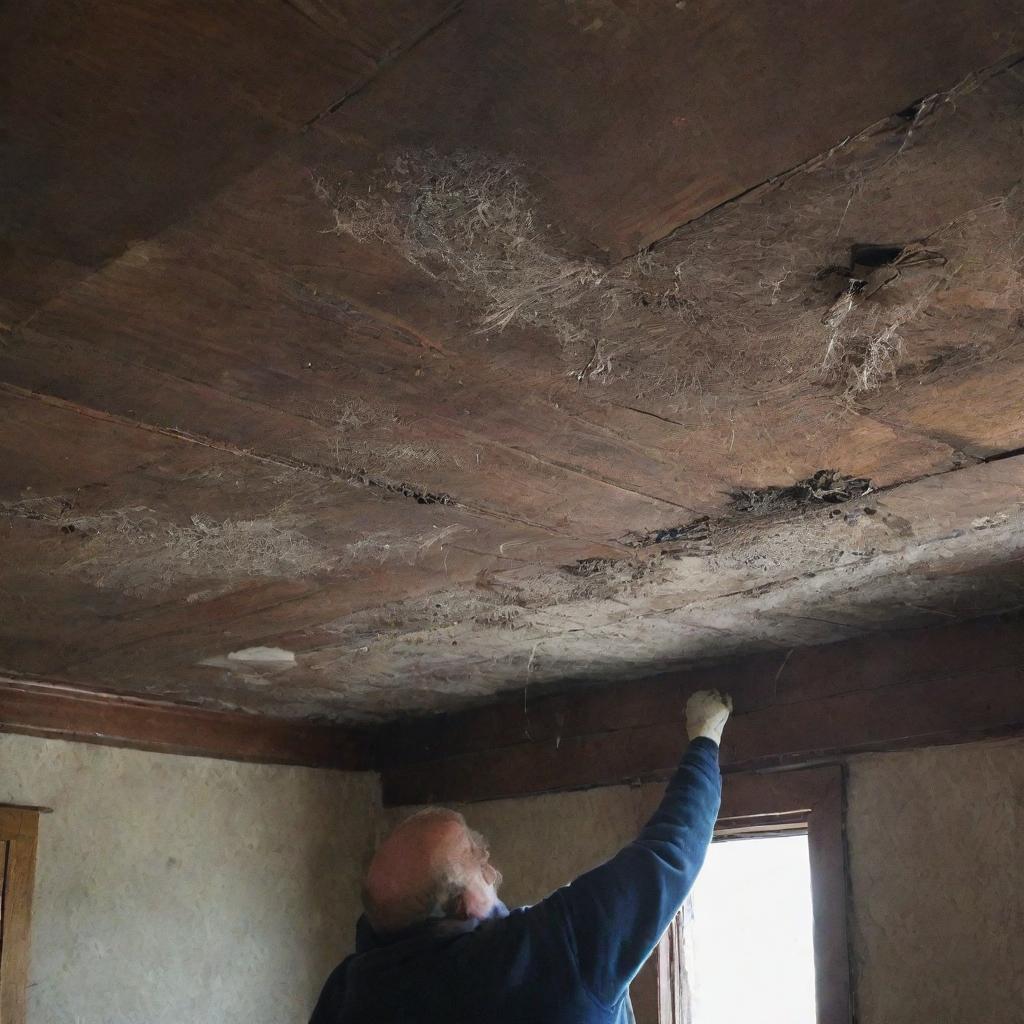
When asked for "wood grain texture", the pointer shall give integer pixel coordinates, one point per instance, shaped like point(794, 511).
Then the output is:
point(830, 888)
point(192, 347)
point(18, 831)
point(935, 686)
point(65, 712)
point(641, 117)
point(126, 116)
point(914, 689)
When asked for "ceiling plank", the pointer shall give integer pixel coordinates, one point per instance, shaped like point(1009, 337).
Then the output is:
point(640, 117)
point(119, 540)
point(228, 354)
point(127, 115)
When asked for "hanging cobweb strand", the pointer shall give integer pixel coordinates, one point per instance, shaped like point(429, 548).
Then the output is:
point(470, 220)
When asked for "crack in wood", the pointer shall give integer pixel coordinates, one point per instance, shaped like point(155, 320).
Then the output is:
point(608, 482)
point(645, 412)
point(306, 15)
point(895, 122)
point(352, 478)
point(387, 59)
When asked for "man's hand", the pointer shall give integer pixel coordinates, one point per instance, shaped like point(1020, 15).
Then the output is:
point(706, 714)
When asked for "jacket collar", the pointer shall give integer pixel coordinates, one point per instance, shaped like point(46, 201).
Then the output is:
point(436, 927)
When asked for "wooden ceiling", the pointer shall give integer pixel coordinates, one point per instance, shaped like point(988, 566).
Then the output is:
point(250, 461)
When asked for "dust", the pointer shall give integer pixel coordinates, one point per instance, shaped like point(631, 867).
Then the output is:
point(353, 414)
point(503, 608)
point(470, 219)
point(139, 556)
point(770, 291)
point(389, 547)
point(136, 551)
point(389, 459)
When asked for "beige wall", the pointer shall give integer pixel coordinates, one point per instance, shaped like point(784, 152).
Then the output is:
point(937, 864)
point(542, 843)
point(936, 841)
point(178, 889)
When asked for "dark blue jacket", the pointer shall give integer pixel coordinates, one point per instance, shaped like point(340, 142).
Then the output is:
point(569, 958)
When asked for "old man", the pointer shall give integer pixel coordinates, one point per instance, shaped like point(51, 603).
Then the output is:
point(437, 945)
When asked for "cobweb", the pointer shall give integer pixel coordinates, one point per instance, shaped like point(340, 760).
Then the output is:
point(762, 292)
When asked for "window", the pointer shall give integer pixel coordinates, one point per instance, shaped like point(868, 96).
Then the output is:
point(18, 829)
point(749, 933)
point(787, 826)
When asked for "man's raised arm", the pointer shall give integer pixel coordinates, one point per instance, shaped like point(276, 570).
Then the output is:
point(616, 913)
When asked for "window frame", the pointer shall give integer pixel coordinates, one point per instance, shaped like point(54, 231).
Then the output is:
point(19, 831)
point(810, 800)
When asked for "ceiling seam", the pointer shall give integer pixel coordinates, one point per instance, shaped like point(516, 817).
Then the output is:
point(1001, 66)
point(357, 481)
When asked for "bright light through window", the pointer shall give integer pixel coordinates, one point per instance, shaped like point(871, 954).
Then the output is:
point(749, 945)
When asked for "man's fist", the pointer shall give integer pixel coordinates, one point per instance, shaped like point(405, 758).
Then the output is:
point(706, 714)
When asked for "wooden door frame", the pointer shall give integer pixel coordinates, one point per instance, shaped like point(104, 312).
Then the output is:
point(19, 829)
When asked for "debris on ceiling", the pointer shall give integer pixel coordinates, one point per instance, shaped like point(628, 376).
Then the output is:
point(397, 373)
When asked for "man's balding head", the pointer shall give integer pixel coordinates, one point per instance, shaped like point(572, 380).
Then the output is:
point(430, 866)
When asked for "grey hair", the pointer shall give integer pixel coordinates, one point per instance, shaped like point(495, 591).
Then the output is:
point(437, 899)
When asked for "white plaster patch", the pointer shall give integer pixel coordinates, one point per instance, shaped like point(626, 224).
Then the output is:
point(265, 657)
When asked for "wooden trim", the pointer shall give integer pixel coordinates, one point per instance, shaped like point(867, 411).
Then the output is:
point(829, 889)
point(66, 712)
point(18, 830)
point(884, 692)
point(807, 705)
point(751, 797)
point(674, 986)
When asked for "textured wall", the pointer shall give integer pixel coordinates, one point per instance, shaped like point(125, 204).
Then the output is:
point(937, 862)
point(177, 890)
point(542, 843)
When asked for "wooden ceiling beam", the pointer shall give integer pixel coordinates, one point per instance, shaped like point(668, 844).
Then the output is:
point(60, 711)
point(814, 704)
point(890, 690)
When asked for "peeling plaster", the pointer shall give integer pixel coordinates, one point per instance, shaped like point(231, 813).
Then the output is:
point(275, 658)
point(264, 656)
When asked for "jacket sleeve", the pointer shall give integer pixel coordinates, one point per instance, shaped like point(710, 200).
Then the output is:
point(616, 913)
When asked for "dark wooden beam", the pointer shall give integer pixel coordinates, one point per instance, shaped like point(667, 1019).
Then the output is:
point(808, 705)
point(60, 711)
point(805, 706)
